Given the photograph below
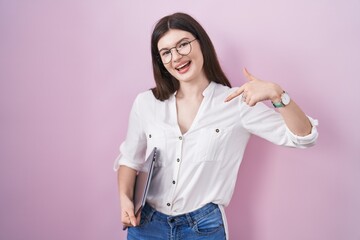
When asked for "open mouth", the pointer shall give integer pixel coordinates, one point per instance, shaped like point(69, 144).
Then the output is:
point(183, 67)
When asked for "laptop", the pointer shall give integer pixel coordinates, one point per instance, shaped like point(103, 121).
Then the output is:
point(143, 180)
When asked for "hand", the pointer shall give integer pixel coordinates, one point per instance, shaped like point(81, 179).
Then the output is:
point(128, 217)
point(256, 90)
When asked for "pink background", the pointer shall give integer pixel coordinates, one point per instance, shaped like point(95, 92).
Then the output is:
point(69, 71)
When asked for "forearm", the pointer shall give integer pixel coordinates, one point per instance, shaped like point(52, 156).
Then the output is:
point(126, 182)
point(295, 119)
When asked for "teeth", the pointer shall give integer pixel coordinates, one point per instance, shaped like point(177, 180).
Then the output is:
point(182, 65)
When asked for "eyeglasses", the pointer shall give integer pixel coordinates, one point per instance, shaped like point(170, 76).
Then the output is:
point(183, 48)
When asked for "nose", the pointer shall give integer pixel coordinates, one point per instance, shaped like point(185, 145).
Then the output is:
point(175, 55)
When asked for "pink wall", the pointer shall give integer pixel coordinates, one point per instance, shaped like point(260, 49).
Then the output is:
point(69, 71)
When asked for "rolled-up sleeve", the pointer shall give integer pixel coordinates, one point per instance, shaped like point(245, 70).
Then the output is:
point(132, 150)
point(266, 123)
point(308, 140)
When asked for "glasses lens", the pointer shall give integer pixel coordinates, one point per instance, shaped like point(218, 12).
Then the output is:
point(184, 48)
point(165, 56)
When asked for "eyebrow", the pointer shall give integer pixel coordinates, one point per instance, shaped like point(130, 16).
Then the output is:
point(176, 43)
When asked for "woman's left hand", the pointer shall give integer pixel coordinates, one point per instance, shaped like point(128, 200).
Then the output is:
point(256, 90)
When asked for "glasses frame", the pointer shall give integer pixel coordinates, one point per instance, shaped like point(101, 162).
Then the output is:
point(170, 50)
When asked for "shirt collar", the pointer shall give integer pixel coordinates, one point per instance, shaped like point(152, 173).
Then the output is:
point(208, 90)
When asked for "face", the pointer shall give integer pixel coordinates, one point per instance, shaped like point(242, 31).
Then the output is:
point(184, 67)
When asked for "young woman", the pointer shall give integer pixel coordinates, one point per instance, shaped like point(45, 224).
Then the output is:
point(200, 126)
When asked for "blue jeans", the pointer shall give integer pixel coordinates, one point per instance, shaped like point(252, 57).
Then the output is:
point(202, 224)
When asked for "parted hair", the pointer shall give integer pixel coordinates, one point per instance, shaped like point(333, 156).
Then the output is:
point(166, 84)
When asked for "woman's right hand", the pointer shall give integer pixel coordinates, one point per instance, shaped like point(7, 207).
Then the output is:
point(126, 181)
point(128, 217)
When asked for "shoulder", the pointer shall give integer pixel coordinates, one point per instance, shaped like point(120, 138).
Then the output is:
point(145, 102)
point(146, 98)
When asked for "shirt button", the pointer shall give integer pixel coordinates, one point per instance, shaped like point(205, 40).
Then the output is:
point(149, 135)
point(217, 130)
point(178, 160)
point(168, 204)
point(174, 182)
point(180, 137)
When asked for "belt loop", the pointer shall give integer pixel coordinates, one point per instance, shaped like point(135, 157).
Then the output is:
point(150, 212)
point(190, 220)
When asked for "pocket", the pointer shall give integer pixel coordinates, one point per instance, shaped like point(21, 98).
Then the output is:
point(209, 224)
point(147, 213)
point(156, 138)
point(211, 142)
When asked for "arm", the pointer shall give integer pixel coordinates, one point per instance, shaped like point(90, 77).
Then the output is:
point(295, 119)
point(126, 182)
point(132, 152)
point(257, 90)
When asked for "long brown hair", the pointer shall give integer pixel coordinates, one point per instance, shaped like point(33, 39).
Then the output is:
point(166, 84)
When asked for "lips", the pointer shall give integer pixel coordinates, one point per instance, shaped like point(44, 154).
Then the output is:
point(182, 68)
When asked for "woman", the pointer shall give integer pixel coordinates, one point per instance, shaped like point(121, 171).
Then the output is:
point(201, 127)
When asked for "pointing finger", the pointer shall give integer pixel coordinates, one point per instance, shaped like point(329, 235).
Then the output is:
point(235, 94)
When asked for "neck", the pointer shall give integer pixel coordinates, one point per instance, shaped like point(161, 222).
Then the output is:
point(192, 89)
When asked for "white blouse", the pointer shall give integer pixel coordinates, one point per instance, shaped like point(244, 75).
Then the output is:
point(201, 165)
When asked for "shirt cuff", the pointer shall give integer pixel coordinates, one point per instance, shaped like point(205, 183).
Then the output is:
point(308, 140)
point(120, 160)
point(117, 163)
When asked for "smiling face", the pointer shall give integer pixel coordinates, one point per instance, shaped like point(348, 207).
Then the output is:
point(185, 68)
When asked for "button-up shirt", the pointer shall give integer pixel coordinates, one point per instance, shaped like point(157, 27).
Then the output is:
point(201, 165)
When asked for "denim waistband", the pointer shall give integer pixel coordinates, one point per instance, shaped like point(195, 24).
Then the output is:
point(188, 218)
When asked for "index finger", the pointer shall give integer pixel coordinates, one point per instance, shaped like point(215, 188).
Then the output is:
point(234, 94)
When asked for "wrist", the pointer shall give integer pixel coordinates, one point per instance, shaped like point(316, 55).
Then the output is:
point(126, 197)
point(284, 100)
point(276, 93)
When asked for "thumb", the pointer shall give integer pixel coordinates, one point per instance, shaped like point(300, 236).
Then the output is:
point(138, 217)
point(248, 75)
point(132, 218)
